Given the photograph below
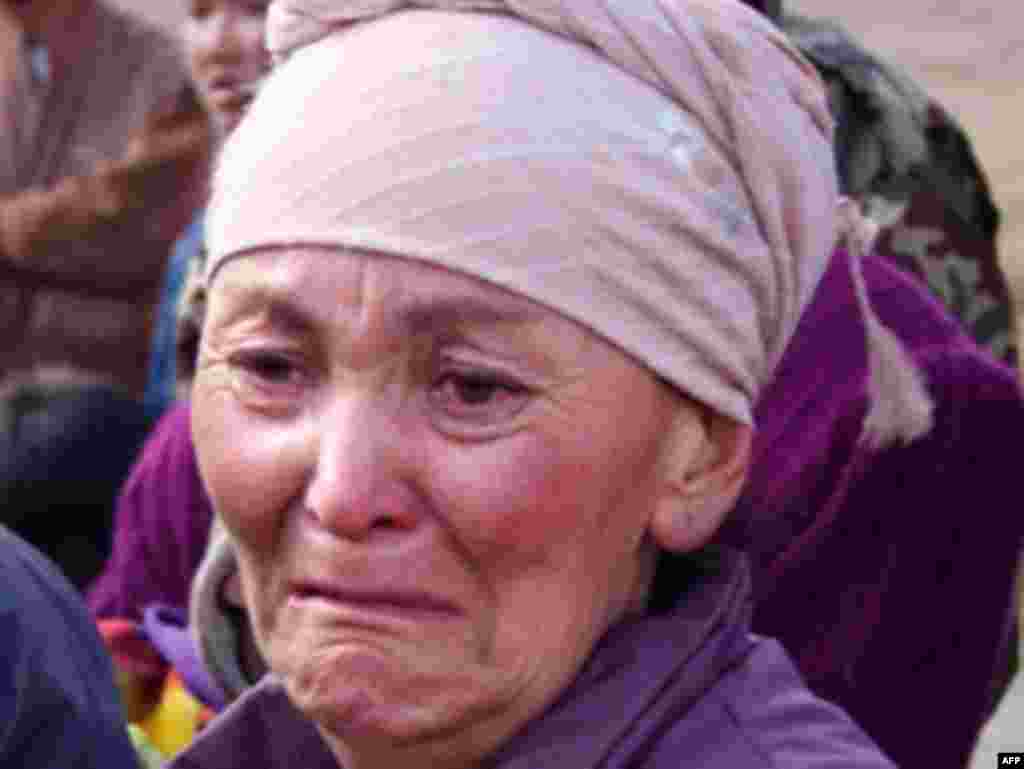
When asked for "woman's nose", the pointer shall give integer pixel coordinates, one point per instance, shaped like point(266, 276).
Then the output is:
point(359, 487)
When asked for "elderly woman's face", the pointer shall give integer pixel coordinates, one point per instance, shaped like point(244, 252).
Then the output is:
point(440, 491)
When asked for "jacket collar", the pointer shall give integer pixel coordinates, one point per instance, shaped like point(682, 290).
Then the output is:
point(646, 671)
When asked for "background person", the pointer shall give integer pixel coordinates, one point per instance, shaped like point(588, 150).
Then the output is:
point(101, 156)
point(227, 59)
point(58, 704)
point(162, 518)
point(912, 166)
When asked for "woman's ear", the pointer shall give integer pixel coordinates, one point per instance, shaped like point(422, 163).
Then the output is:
point(705, 462)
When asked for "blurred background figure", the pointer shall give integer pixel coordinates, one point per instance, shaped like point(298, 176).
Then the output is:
point(102, 148)
point(227, 59)
point(869, 548)
point(58, 704)
point(968, 58)
point(223, 43)
point(103, 153)
point(911, 164)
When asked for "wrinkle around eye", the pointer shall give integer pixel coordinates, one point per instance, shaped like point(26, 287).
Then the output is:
point(473, 402)
point(269, 380)
point(271, 368)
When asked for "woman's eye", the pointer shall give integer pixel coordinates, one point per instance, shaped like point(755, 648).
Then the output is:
point(270, 382)
point(479, 395)
point(474, 390)
point(268, 369)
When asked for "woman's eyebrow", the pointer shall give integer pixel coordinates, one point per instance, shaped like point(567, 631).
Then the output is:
point(283, 311)
point(276, 307)
point(431, 315)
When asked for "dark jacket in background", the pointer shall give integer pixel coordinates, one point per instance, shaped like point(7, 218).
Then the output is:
point(58, 705)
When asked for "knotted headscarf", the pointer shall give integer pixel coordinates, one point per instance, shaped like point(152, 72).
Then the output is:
point(659, 170)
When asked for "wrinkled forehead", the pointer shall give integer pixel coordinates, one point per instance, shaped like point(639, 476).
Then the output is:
point(311, 286)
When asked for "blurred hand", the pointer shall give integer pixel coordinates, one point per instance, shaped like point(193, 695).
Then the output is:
point(146, 198)
point(164, 168)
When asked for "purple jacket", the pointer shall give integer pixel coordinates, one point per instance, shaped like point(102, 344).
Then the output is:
point(858, 555)
point(161, 525)
point(889, 576)
point(686, 686)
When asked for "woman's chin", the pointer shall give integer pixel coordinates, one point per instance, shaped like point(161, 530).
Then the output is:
point(353, 715)
point(360, 693)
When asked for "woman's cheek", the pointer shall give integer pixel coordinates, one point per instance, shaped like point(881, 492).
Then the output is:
point(250, 464)
point(504, 501)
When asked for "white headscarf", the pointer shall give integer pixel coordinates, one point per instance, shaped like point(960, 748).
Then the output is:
point(659, 170)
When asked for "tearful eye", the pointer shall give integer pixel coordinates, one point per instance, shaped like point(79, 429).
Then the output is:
point(479, 397)
point(269, 381)
point(272, 368)
point(475, 390)
point(269, 373)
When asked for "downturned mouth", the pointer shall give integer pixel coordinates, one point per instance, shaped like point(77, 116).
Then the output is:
point(386, 601)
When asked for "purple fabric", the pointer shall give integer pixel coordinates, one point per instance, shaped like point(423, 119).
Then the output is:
point(889, 576)
point(161, 526)
point(687, 687)
point(260, 729)
point(166, 628)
